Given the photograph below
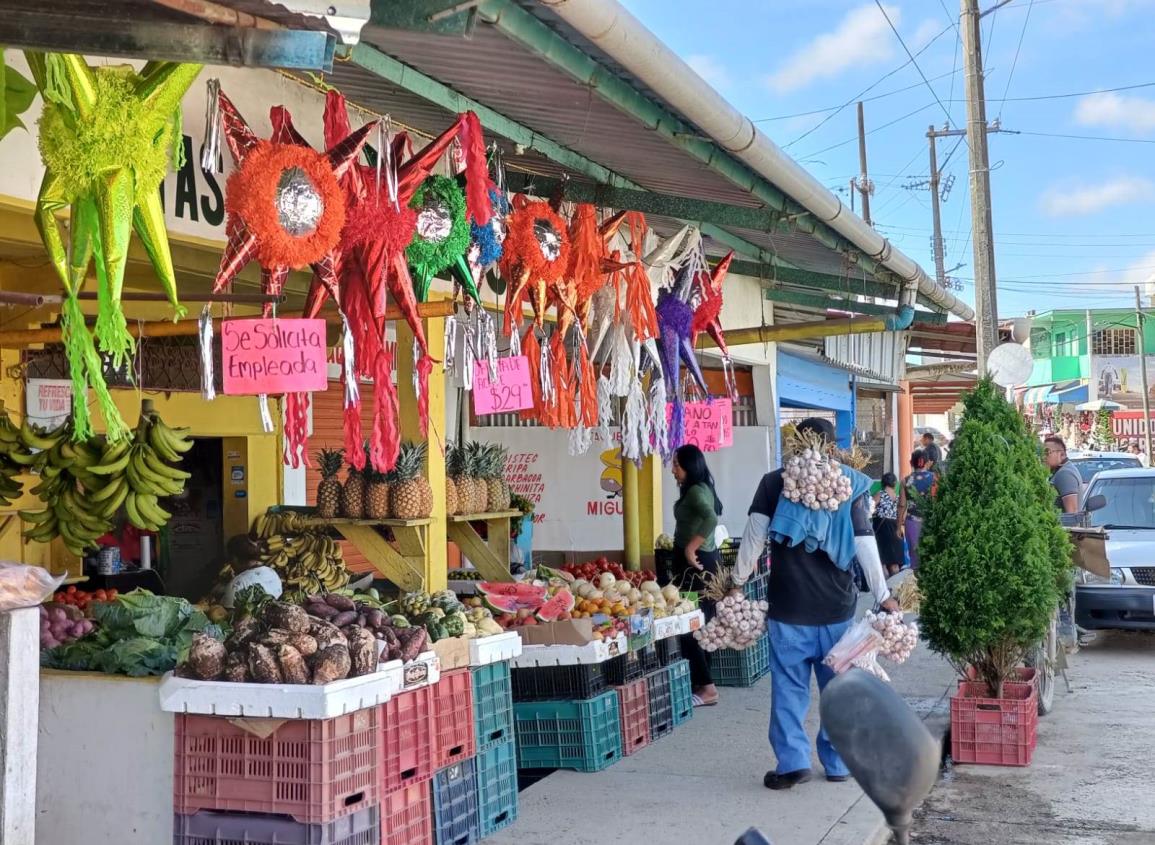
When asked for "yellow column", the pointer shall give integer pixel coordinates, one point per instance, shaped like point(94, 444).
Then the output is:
point(436, 562)
point(631, 516)
point(649, 508)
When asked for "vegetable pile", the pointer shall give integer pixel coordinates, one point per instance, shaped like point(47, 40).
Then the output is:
point(60, 624)
point(898, 638)
point(738, 624)
point(592, 570)
point(816, 481)
point(81, 599)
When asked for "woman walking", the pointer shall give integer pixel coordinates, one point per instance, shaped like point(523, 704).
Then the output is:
point(921, 484)
point(695, 517)
point(885, 520)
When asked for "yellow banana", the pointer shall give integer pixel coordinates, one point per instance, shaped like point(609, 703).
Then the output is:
point(134, 514)
point(34, 440)
point(153, 462)
point(161, 445)
point(151, 510)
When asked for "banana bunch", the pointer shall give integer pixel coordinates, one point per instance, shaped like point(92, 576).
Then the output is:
point(306, 557)
point(143, 474)
point(15, 460)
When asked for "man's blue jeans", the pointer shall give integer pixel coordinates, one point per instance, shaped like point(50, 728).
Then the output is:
point(795, 652)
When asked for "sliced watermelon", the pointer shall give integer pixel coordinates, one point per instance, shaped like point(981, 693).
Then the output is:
point(560, 603)
point(510, 597)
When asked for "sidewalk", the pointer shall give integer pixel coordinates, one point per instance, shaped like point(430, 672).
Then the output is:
point(703, 784)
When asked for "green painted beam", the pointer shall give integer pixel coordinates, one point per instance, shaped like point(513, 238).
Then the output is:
point(807, 300)
point(810, 279)
point(438, 17)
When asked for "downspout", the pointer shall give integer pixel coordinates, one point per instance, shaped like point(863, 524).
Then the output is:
point(621, 36)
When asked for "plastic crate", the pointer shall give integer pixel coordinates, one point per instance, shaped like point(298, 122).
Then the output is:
point(757, 588)
point(497, 788)
point(582, 735)
point(634, 715)
point(407, 815)
point(312, 770)
point(455, 819)
point(681, 692)
point(452, 712)
point(211, 828)
point(492, 704)
point(631, 666)
point(407, 739)
point(546, 683)
point(741, 668)
point(661, 704)
point(994, 731)
point(669, 650)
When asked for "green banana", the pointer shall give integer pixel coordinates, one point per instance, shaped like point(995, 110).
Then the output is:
point(36, 517)
point(116, 466)
point(34, 440)
point(110, 506)
point(158, 466)
point(109, 490)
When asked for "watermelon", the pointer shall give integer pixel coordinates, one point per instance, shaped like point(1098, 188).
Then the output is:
point(510, 597)
point(559, 605)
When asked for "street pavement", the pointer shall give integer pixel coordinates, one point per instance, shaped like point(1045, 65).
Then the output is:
point(703, 784)
point(1092, 778)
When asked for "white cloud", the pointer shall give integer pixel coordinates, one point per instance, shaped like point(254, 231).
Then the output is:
point(710, 69)
point(1116, 111)
point(1141, 271)
point(861, 38)
point(1091, 199)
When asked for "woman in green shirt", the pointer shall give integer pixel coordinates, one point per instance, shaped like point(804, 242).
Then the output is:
point(695, 517)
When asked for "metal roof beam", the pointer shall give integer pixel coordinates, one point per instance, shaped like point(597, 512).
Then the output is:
point(808, 300)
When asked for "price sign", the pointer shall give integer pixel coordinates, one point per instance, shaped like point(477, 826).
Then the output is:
point(273, 356)
point(709, 425)
point(510, 392)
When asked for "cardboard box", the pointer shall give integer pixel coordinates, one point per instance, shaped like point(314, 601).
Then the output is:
point(565, 632)
point(453, 652)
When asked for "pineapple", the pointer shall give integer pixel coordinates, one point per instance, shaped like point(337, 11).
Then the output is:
point(377, 493)
point(454, 479)
point(476, 491)
point(497, 490)
point(353, 494)
point(409, 491)
point(329, 490)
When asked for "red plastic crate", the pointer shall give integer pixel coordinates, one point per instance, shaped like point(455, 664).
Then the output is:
point(634, 713)
point(407, 815)
point(313, 770)
point(454, 734)
point(994, 731)
point(406, 739)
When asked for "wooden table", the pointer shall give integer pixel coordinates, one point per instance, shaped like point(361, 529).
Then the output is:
point(489, 556)
point(403, 565)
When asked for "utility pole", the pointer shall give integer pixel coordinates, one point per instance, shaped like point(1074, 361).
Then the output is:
point(863, 183)
point(936, 215)
point(986, 301)
point(1139, 318)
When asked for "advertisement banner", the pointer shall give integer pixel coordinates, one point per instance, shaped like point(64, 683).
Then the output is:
point(48, 401)
point(709, 425)
point(273, 356)
point(1119, 378)
point(1128, 425)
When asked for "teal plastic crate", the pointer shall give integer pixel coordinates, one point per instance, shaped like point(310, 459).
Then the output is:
point(741, 668)
point(492, 705)
point(497, 788)
point(758, 587)
point(581, 735)
point(681, 691)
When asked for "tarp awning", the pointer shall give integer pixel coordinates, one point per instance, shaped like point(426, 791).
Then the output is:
point(1070, 393)
point(1037, 395)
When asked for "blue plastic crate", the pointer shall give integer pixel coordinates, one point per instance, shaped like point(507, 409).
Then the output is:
point(211, 828)
point(741, 668)
point(681, 692)
point(492, 705)
point(497, 788)
point(661, 704)
point(455, 819)
point(758, 587)
point(582, 735)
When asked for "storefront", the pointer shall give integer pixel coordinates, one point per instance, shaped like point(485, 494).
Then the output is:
point(808, 385)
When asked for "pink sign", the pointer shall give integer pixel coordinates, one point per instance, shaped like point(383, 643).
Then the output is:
point(709, 425)
point(273, 356)
point(511, 391)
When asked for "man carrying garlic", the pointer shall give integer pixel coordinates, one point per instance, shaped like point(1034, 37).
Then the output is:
point(815, 513)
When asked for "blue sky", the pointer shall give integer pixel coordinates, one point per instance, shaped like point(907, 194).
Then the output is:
point(1073, 217)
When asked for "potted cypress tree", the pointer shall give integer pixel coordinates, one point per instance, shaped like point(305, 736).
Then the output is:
point(994, 559)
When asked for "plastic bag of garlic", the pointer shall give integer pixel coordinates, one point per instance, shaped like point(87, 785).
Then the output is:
point(875, 635)
point(738, 624)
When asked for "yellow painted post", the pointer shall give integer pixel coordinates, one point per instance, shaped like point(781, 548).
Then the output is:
point(631, 516)
point(436, 562)
point(649, 507)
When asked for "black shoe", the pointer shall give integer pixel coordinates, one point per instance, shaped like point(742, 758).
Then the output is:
point(787, 780)
point(837, 778)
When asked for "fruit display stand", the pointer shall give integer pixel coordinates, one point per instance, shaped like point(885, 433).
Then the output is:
point(490, 556)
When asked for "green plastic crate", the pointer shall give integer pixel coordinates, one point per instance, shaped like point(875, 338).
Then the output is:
point(681, 691)
point(492, 705)
point(758, 587)
point(741, 668)
point(497, 788)
point(582, 735)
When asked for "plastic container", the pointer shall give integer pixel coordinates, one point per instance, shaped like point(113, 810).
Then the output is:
point(543, 683)
point(313, 770)
point(757, 588)
point(681, 692)
point(494, 649)
point(211, 828)
point(669, 650)
point(406, 739)
point(661, 704)
point(632, 666)
point(492, 705)
point(581, 735)
point(455, 819)
point(741, 668)
point(407, 815)
point(994, 731)
point(452, 713)
point(634, 715)
point(497, 788)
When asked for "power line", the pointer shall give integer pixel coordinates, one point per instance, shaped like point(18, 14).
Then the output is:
point(1034, 234)
point(890, 23)
point(864, 100)
point(1084, 137)
point(871, 132)
point(1015, 62)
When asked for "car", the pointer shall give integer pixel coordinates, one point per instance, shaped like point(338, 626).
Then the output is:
point(1089, 463)
point(1126, 511)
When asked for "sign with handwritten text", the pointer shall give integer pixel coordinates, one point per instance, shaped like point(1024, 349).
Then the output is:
point(709, 425)
point(511, 392)
point(273, 356)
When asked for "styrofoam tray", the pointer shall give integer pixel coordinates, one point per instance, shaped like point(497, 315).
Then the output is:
point(598, 651)
point(282, 701)
point(683, 623)
point(494, 649)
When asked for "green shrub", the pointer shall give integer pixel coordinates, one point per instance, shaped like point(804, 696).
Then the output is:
point(994, 559)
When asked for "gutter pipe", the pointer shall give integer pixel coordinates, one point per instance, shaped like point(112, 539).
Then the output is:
point(621, 36)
